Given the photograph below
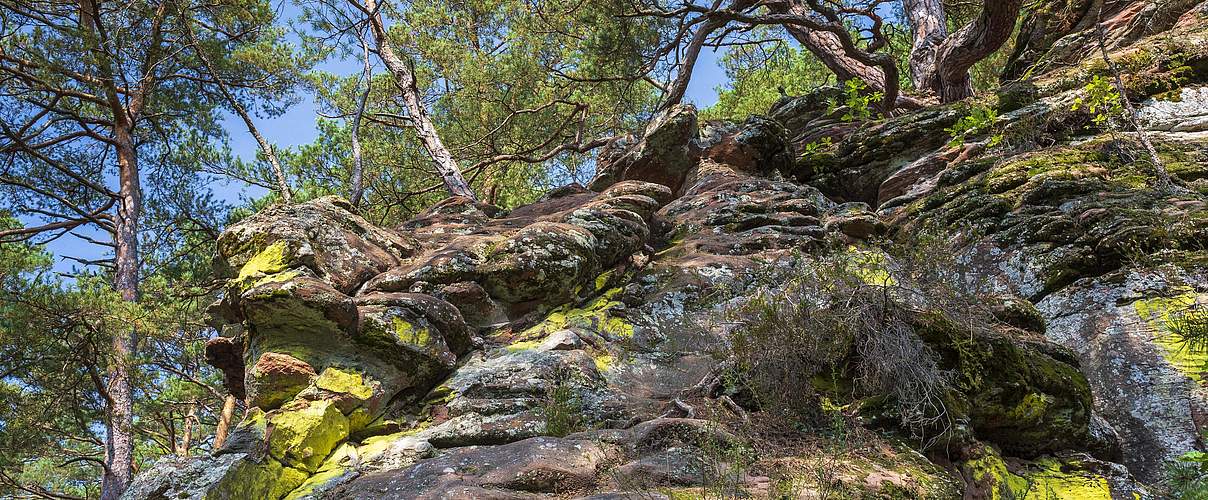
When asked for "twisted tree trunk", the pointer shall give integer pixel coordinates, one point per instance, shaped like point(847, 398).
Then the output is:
point(946, 73)
point(830, 42)
point(930, 29)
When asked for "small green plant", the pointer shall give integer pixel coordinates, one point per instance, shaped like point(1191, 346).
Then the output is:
point(562, 408)
point(825, 465)
point(1187, 476)
point(815, 154)
point(724, 464)
point(1190, 327)
point(1100, 99)
point(857, 100)
point(814, 148)
point(979, 121)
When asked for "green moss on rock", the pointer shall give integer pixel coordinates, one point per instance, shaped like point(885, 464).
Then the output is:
point(1026, 395)
point(272, 260)
point(407, 332)
point(1065, 480)
point(345, 381)
point(333, 467)
point(1049, 478)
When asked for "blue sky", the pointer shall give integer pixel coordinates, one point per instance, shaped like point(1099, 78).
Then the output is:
point(298, 126)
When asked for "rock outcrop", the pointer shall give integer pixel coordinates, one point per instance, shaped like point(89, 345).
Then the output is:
point(564, 348)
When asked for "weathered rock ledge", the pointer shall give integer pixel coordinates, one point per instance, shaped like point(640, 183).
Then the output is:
point(546, 351)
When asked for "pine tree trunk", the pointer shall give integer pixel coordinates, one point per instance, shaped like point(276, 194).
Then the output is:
point(120, 411)
point(224, 422)
point(186, 434)
point(446, 166)
point(358, 162)
point(971, 44)
point(843, 57)
point(928, 24)
point(679, 87)
point(947, 74)
point(826, 47)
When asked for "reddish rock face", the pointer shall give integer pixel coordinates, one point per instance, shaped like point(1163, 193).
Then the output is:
point(276, 378)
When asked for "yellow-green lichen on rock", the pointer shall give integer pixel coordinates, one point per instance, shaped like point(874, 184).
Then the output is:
point(334, 466)
point(603, 362)
point(360, 420)
point(1031, 408)
point(304, 435)
point(595, 316)
point(345, 381)
point(376, 445)
point(272, 260)
point(255, 422)
point(603, 279)
point(248, 479)
point(407, 332)
point(524, 345)
point(442, 394)
point(1062, 480)
point(870, 267)
point(1044, 479)
point(1161, 314)
point(991, 478)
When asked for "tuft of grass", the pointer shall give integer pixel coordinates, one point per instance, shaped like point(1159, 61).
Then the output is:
point(563, 408)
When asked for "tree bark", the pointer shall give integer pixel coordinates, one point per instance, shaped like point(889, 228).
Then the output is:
point(831, 43)
point(1039, 31)
point(948, 75)
point(120, 411)
point(404, 77)
point(930, 29)
point(358, 165)
point(679, 87)
point(829, 50)
point(186, 434)
point(224, 422)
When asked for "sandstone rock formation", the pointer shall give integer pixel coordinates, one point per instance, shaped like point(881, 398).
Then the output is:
point(553, 350)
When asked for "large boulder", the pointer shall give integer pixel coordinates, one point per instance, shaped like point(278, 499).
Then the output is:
point(1087, 238)
point(325, 236)
point(1017, 390)
point(518, 470)
point(664, 153)
point(539, 254)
